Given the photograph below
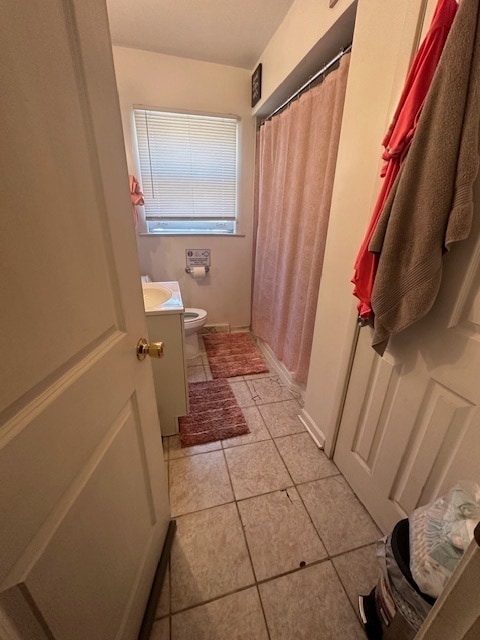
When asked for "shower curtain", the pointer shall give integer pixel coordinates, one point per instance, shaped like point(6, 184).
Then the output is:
point(296, 166)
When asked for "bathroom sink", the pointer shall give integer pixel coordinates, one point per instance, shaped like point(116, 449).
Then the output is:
point(161, 298)
point(154, 296)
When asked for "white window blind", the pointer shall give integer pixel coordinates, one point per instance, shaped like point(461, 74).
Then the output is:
point(188, 166)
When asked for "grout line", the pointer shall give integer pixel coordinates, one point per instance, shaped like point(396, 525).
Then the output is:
point(331, 557)
point(210, 600)
point(311, 519)
point(315, 563)
point(263, 611)
point(334, 556)
point(232, 446)
point(230, 480)
point(248, 549)
point(243, 531)
point(197, 453)
point(306, 510)
point(287, 435)
point(213, 506)
point(258, 495)
point(355, 611)
point(257, 583)
point(263, 404)
point(283, 461)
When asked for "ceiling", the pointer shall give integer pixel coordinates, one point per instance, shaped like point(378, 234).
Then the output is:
point(230, 32)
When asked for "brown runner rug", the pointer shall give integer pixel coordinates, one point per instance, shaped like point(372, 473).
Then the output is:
point(233, 354)
point(214, 414)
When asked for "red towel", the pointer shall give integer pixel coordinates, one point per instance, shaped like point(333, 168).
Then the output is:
point(397, 141)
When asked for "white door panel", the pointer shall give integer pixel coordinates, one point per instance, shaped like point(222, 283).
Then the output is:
point(82, 536)
point(410, 426)
point(83, 498)
point(411, 423)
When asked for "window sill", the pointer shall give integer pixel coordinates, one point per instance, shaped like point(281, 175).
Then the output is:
point(191, 233)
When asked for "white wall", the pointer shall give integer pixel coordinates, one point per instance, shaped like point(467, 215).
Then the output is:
point(380, 59)
point(297, 39)
point(157, 80)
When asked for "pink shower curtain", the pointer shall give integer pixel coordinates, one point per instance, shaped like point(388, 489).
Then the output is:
point(297, 157)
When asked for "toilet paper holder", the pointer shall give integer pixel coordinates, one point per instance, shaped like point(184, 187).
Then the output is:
point(190, 269)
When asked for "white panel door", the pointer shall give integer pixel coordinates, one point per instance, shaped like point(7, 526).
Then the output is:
point(83, 500)
point(411, 422)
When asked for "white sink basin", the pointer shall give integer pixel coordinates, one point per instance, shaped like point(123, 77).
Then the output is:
point(161, 298)
point(155, 296)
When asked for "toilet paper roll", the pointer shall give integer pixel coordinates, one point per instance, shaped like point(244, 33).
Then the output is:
point(198, 273)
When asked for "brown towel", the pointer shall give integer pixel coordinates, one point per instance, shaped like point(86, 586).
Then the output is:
point(431, 204)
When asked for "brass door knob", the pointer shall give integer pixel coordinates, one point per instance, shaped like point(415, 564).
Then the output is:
point(152, 349)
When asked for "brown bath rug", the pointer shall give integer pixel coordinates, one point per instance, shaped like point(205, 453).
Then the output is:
point(233, 354)
point(214, 414)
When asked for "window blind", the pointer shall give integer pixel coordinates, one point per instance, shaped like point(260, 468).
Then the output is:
point(188, 165)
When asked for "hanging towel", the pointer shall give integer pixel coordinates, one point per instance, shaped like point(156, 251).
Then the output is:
point(398, 138)
point(136, 196)
point(431, 204)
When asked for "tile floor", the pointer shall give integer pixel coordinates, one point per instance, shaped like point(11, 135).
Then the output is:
point(271, 542)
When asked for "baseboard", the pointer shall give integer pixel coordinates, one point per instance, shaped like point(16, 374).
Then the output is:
point(214, 328)
point(239, 329)
point(313, 429)
point(223, 327)
point(281, 370)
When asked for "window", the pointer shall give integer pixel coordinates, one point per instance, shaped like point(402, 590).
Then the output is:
point(188, 166)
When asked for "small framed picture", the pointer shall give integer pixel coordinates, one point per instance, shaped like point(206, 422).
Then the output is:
point(257, 85)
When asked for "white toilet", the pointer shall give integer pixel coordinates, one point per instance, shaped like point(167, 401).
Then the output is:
point(193, 320)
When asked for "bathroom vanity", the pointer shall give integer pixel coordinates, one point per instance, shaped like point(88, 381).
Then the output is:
point(164, 314)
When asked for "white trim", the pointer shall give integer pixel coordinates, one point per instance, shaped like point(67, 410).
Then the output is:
point(281, 370)
point(313, 429)
point(240, 329)
point(455, 614)
point(197, 233)
point(193, 112)
point(297, 389)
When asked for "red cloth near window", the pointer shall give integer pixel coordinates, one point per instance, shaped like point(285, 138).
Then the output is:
point(397, 141)
point(136, 196)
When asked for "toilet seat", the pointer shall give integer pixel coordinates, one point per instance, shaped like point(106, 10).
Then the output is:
point(194, 315)
point(193, 319)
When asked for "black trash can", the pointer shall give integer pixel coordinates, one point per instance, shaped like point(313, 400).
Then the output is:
point(395, 608)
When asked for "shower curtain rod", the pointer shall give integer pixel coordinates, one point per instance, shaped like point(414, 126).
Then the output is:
point(323, 70)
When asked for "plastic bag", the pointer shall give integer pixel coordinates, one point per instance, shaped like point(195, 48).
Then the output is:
point(439, 534)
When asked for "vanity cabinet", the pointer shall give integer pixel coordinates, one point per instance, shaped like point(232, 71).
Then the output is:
point(165, 324)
